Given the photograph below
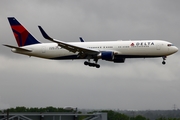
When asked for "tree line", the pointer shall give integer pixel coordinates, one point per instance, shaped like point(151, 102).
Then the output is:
point(36, 109)
point(112, 115)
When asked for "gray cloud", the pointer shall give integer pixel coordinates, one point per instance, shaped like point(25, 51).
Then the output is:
point(137, 84)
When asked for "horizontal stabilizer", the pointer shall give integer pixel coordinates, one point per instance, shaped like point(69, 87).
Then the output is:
point(18, 48)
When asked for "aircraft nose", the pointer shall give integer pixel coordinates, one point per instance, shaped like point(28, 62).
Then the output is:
point(175, 49)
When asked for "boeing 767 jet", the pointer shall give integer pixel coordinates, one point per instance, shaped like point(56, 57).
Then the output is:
point(113, 51)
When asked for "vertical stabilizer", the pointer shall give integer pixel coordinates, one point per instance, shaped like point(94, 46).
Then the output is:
point(23, 37)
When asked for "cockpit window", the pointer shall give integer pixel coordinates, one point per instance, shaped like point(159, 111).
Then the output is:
point(169, 45)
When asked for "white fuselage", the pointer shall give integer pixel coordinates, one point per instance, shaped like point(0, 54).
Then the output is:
point(127, 49)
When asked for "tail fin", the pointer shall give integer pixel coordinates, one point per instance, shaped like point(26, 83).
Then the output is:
point(23, 37)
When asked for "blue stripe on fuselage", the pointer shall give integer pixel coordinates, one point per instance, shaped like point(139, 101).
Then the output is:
point(117, 56)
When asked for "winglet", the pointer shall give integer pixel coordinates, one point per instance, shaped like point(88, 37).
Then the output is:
point(81, 39)
point(45, 35)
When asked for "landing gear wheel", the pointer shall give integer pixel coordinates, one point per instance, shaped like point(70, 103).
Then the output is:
point(86, 63)
point(97, 66)
point(163, 62)
point(92, 64)
point(164, 58)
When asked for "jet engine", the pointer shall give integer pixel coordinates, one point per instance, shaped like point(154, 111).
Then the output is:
point(111, 56)
point(106, 55)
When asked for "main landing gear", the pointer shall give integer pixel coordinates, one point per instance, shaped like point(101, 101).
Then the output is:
point(92, 64)
point(163, 62)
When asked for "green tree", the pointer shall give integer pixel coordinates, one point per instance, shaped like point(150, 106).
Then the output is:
point(20, 109)
point(112, 115)
point(139, 117)
point(161, 118)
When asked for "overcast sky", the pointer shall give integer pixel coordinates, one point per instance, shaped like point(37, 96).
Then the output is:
point(138, 84)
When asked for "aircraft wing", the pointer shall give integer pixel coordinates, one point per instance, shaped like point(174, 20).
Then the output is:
point(18, 48)
point(70, 47)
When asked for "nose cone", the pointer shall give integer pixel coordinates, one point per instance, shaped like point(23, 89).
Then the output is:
point(174, 49)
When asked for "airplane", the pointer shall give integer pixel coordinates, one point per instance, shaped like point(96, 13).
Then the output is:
point(113, 51)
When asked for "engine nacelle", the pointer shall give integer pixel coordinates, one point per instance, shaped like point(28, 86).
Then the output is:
point(111, 56)
point(106, 55)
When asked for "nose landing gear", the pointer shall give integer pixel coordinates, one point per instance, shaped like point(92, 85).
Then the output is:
point(163, 62)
